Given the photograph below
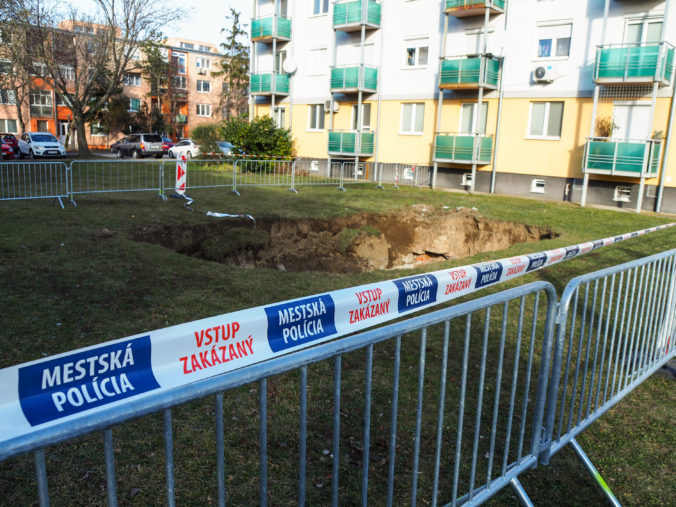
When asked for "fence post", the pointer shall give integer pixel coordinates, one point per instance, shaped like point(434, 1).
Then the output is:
point(396, 175)
point(161, 182)
point(234, 178)
point(293, 177)
point(340, 184)
point(380, 186)
point(69, 183)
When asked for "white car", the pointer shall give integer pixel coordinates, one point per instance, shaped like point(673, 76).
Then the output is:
point(40, 144)
point(184, 148)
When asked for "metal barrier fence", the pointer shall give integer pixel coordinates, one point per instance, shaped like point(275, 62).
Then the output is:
point(34, 180)
point(212, 173)
point(456, 403)
point(106, 176)
point(405, 174)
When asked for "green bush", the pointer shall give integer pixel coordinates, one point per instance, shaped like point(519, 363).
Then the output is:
point(207, 137)
point(259, 137)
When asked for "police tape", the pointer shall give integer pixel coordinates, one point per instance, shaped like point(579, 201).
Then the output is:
point(61, 388)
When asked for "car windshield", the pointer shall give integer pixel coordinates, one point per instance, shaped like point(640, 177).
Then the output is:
point(225, 144)
point(44, 138)
point(152, 138)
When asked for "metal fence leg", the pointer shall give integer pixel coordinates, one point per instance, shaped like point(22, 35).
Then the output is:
point(41, 476)
point(380, 186)
point(69, 184)
point(594, 472)
point(110, 467)
point(234, 179)
point(340, 185)
point(169, 457)
point(161, 182)
point(293, 177)
point(520, 492)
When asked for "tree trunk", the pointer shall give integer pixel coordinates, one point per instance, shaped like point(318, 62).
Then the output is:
point(82, 146)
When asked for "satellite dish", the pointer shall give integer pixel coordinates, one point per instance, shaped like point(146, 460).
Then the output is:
point(289, 66)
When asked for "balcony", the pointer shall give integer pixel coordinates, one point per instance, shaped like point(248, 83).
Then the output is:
point(469, 72)
point(271, 83)
point(42, 111)
point(634, 63)
point(463, 148)
point(351, 15)
point(268, 28)
point(354, 79)
point(353, 144)
point(181, 118)
point(633, 158)
point(466, 8)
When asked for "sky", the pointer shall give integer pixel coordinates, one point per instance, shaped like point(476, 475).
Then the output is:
point(203, 21)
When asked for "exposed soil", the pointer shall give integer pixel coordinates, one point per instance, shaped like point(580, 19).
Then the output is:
point(416, 235)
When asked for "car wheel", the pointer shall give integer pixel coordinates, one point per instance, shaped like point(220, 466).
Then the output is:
point(171, 154)
point(188, 155)
point(136, 154)
point(159, 155)
point(31, 155)
point(118, 154)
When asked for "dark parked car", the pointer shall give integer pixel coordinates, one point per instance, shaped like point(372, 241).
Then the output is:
point(116, 144)
point(7, 152)
point(166, 144)
point(11, 140)
point(141, 145)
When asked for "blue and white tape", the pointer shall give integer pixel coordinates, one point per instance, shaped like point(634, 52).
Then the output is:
point(66, 386)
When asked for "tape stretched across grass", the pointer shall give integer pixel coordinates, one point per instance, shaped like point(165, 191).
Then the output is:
point(61, 388)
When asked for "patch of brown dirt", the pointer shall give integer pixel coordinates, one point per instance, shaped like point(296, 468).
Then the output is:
point(415, 235)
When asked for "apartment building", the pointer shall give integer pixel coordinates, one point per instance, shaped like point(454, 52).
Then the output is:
point(195, 97)
point(546, 98)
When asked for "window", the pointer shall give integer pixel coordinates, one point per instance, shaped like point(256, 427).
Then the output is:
point(316, 120)
point(203, 86)
point(416, 52)
point(554, 41)
point(134, 105)
point(8, 126)
point(43, 126)
point(320, 7)
point(412, 118)
point(66, 72)
point(643, 30)
point(96, 129)
point(203, 109)
point(545, 120)
point(467, 113)
point(7, 97)
point(178, 61)
point(132, 79)
point(180, 82)
point(61, 100)
point(6, 66)
point(537, 186)
point(41, 98)
point(279, 61)
point(280, 117)
point(206, 49)
point(186, 45)
point(203, 63)
point(622, 194)
point(365, 117)
point(39, 69)
point(318, 61)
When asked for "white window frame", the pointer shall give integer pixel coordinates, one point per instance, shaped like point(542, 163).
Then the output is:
point(181, 62)
point(202, 62)
point(5, 125)
point(279, 115)
point(67, 72)
point(414, 114)
point(201, 85)
point(537, 186)
point(318, 66)
point(320, 7)
point(182, 80)
point(553, 27)
point(99, 132)
point(622, 193)
point(10, 95)
point(204, 110)
point(545, 136)
point(132, 79)
point(484, 106)
point(41, 98)
point(131, 105)
point(416, 43)
point(644, 22)
point(316, 113)
point(365, 125)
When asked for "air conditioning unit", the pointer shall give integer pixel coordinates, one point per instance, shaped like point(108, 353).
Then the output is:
point(327, 106)
point(202, 72)
point(543, 74)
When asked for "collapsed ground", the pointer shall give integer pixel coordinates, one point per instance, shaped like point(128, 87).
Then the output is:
point(409, 237)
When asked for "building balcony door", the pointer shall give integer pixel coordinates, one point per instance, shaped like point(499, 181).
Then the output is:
point(632, 121)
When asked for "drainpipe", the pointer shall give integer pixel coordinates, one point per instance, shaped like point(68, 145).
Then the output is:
point(670, 126)
point(442, 54)
point(497, 126)
point(253, 67)
point(380, 79)
point(585, 181)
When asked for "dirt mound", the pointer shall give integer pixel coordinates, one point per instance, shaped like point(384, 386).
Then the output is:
point(416, 235)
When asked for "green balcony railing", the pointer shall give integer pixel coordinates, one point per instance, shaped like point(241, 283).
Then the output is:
point(354, 14)
point(461, 8)
point(463, 148)
point(635, 63)
point(354, 79)
point(181, 118)
point(351, 143)
point(622, 157)
point(270, 83)
point(469, 72)
point(270, 27)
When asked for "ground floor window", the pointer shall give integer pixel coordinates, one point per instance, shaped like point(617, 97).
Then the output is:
point(545, 120)
point(9, 126)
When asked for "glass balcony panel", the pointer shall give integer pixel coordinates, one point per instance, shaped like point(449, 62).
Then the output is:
point(354, 79)
point(463, 8)
point(460, 148)
point(635, 63)
point(632, 158)
point(470, 73)
point(351, 143)
point(348, 15)
point(266, 29)
point(269, 83)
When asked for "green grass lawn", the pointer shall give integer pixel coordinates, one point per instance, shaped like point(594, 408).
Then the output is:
point(66, 284)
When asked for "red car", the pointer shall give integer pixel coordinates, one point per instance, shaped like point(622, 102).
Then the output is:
point(166, 144)
point(11, 140)
point(7, 152)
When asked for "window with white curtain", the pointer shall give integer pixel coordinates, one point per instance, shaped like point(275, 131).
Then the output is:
point(545, 120)
point(412, 118)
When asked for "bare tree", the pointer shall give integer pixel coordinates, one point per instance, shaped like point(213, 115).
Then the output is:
point(85, 58)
